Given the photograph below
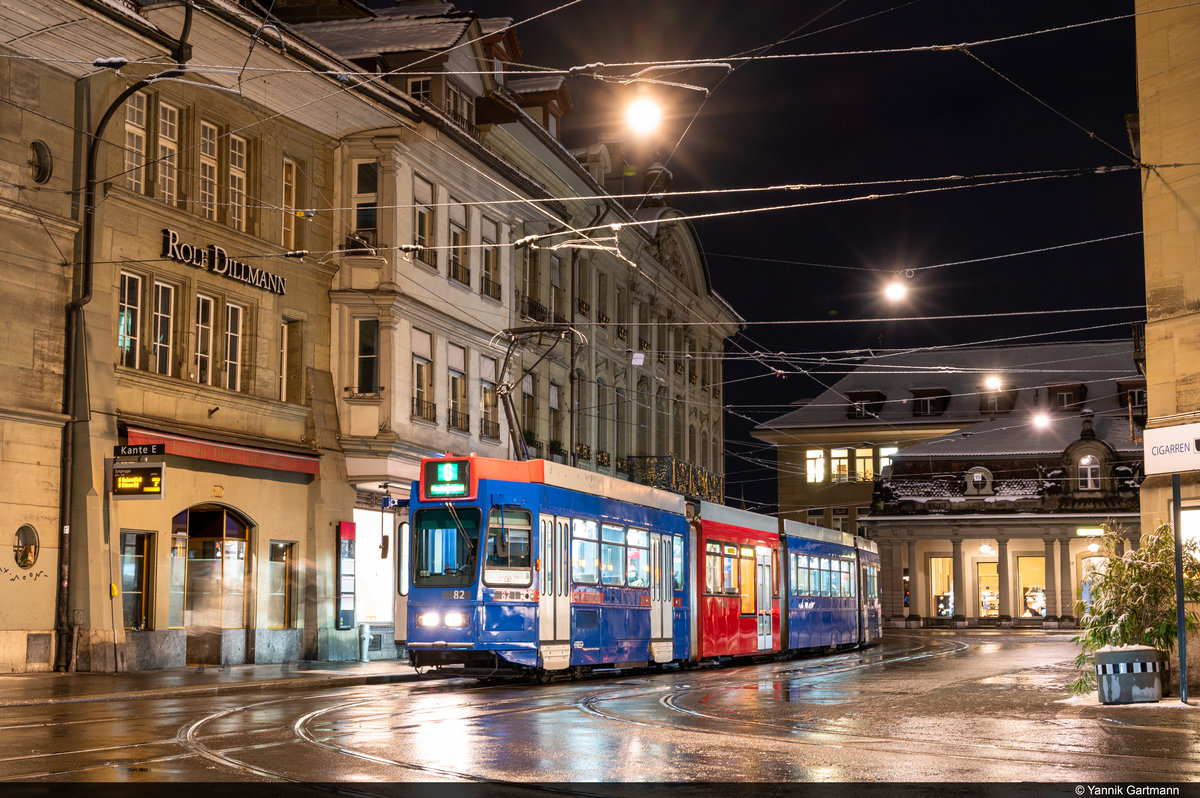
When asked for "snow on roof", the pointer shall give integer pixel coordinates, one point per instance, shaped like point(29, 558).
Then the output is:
point(1009, 436)
point(536, 84)
point(361, 38)
point(897, 376)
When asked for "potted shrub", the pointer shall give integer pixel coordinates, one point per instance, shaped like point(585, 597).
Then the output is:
point(1128, 624)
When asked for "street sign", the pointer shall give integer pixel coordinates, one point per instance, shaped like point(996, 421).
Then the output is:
point(1171, 450)
point(140, 450)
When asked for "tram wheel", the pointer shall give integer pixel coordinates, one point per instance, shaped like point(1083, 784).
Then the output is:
point(544, 676)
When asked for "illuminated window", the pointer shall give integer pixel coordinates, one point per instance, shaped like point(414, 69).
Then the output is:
point(839, 465)
point(864, 464)
point(585, 551)
point(885, 456)
point(216, 567)
point(746, 572)
point(815, 465)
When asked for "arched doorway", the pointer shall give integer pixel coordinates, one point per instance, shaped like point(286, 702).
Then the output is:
point(210, 590)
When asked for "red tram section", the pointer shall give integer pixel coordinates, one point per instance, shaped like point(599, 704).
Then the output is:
point(737, 566)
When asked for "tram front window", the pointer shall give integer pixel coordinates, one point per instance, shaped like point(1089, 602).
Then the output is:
point(508, 549)
point(445, 542)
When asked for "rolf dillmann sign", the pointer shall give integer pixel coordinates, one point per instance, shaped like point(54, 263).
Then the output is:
point(214, 259)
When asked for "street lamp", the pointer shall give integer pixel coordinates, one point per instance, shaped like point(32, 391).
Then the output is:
point(643, 115)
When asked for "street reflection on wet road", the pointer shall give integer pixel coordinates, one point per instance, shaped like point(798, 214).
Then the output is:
point(954, 706)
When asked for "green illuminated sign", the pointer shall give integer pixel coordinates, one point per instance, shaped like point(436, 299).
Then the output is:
point(447, 479)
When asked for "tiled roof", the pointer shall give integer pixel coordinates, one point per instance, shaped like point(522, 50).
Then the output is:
point(1013, 435)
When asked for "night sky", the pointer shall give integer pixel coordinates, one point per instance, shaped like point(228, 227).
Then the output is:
point(1015, 110)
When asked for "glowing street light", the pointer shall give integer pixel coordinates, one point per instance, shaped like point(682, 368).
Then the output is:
point(643, 115)
point(1041, 420)
point(992, 383)
point(895, 290)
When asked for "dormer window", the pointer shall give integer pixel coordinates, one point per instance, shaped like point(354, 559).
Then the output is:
point(1001, 399)
point(1067, 397)
point(864, 404)
point(421, 89)
point(1089, 472)
point(929, 401)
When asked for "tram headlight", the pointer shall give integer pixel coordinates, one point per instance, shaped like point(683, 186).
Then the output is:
point(456, 620)
point(427, 619)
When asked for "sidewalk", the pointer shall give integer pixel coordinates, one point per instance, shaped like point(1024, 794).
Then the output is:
point(34, 689)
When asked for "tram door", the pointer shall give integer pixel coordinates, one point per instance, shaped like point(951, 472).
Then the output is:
point(763, 592)
point(554, 610)
point(662, 618)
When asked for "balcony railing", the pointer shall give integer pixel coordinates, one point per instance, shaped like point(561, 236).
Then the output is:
point(671, 473)
point(533, 309)
point(426, 411)
point(583, 451)
point(583, 307)
point(459, 421)
point(489, 428)
point(489, 287)
point(459, 271)
point(603, 459)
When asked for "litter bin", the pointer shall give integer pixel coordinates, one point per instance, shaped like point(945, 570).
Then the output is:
point(1128, 675)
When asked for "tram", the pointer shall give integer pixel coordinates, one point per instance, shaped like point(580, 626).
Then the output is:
point(537, 567)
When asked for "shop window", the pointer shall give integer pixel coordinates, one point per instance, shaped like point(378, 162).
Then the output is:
point(178, 572)
point(1031, 580)
point(941, 586)
point(988, 579)
point(376, 567)
point(136, 556)
point(25, 546)
point(215, 580)
point(279, 613)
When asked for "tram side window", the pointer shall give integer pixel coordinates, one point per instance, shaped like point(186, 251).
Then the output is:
point(585, 551)
point(677, 564)
point(729, 569)
point(826, 577)
point(848, 571)
point(799, 575)
point(775, 574)
point(712, 567)
point(637, 558)
point(612, 555)
point(746, 568)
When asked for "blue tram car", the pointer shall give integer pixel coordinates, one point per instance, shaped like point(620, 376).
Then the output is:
point(539, 567)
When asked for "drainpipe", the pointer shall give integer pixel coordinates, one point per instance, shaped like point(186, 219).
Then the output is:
point(65, 653)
